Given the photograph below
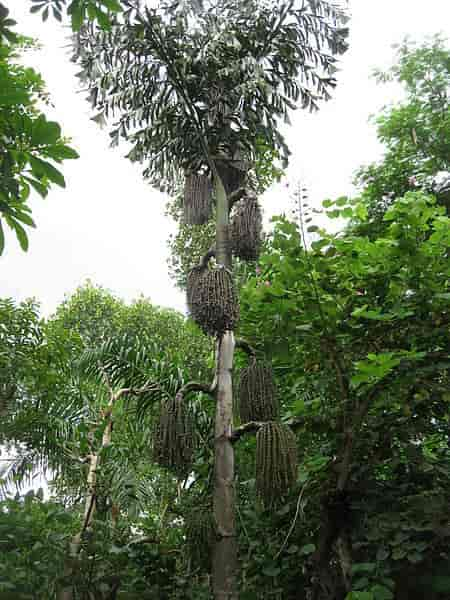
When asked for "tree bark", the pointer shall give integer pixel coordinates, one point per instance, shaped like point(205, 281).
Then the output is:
point(224, 562)
point(223, 254)
point(225, 551)
point(67, 593)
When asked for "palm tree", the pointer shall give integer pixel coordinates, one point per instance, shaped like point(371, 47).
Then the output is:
point(198, 89)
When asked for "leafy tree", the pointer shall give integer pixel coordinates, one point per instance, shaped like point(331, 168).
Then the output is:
point(416, 131)
point(34, 537)
point(188, 244)
point(79, 10)
point(19, 338)
point(31, 547)
point(358, 332)
point(73, 390)
point(30, 143)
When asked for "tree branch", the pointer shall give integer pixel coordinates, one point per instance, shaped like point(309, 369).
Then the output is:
point(250, 427)
point(254, 426)
point(245, 346)
point(144, 540)
point(147, 387)
point(195, 386)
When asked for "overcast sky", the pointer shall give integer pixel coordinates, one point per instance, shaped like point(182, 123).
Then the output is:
point(108, 225)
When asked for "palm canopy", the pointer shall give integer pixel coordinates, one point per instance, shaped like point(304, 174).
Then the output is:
point(189, 84)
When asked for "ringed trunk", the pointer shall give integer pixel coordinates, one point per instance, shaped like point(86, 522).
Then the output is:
point(224, 563)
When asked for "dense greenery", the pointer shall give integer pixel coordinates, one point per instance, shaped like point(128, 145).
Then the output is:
point(30, 143)
point(415, 132)
point(55, 419)
point(358, 332)
point(356, 327)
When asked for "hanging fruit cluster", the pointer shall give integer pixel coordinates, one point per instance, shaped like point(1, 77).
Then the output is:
point(200, 533)
point(212, 300)
point(257, 393)
point(197, 200)
point(246, 229)
point(173, 440)
point(276, 461)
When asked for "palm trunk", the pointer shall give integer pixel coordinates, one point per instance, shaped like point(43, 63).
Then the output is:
point(224, 563)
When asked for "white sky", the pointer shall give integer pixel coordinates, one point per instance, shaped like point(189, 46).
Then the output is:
point(109, 225)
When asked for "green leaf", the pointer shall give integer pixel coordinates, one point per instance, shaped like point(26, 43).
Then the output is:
point(13, 97)
point(24, 218)
point(271, 571)
point(40, 188)
point(398, 553)
point(37, 7)
point(112, 5)
point(380, 592)
point(45, 132)
point(57, 14)
point(103, 19)
point(347, 212)
point(2, 238)
point(441, 584)
point(43, 168)
point(20, 234)
point(77, 14)
point(361, 212)
point(307, 549)
point(415, 557)
point(361, 583)
point(61, 152)
point(363, 568)
point(382, 554)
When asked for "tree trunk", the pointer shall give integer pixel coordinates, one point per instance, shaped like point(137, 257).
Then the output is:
point(67, 593)
point(224, 563)
point(223, 253)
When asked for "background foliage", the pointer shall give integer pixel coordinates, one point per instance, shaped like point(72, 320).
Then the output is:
point(356, 326)
point(30, 143)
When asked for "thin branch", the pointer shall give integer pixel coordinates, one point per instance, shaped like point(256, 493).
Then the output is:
point(250, 427)
point(291, 528)
point(254, 426)
point(87, 519)
point(195, 386)
point(105, 377)
point(147, 387)
point(245, 346)
point(144, 540)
